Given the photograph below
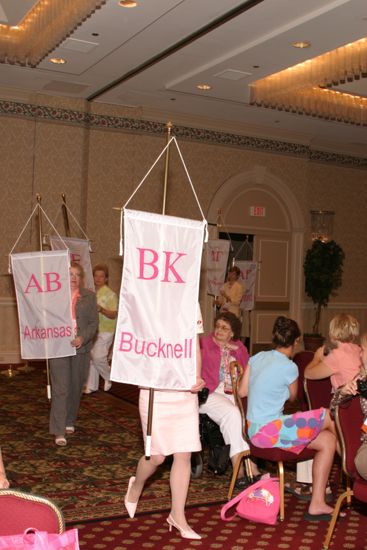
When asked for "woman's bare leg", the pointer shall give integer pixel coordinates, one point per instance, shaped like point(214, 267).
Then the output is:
point(325, 445)
point(144, 470)
point(179, 481)
point(241, 471)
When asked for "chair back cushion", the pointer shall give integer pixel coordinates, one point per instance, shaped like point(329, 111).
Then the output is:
point(302, 359)
point(20, 511)
point(318, 393)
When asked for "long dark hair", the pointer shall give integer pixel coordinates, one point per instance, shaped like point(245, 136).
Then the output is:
point(285, 332)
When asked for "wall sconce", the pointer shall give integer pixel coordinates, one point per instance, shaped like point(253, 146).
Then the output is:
point(322, 224)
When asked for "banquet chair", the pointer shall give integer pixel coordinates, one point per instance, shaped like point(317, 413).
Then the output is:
point(318, 392)
point(20, 511)
point(348, 421)
point(279, 456)
point(302, 359)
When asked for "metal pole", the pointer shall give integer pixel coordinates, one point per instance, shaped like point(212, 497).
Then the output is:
point(169, 127)
point(39, 198)
point(65, 215)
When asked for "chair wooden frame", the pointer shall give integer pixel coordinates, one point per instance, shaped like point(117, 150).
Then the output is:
point(27, 497)
point(348, 493)
point(236, 375)
point(236, 372)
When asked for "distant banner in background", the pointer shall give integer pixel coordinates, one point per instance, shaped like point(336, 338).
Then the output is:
point(216, 264)
point(42, 288)
point(155, 341)
point(248, 279)
point(79, 252)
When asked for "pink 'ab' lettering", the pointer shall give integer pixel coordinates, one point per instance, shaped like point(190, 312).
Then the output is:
point(52, 283)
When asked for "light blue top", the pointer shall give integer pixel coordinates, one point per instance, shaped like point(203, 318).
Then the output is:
point(271, 372)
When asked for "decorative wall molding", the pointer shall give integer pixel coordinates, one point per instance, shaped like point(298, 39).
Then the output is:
point(126, 124)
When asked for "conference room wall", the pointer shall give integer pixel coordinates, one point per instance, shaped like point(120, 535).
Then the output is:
point(52, 146)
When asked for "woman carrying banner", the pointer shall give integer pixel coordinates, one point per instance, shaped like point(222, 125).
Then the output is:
point(175, 430)
point(218, 349)
point(231, 293)
point(107, 309)
point(68, 374)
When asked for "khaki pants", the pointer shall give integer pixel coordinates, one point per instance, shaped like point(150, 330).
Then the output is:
point(361, 460)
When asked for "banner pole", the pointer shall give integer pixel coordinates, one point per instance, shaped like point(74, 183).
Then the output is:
point(65, 215)
point(169, 127)
point(40, 236)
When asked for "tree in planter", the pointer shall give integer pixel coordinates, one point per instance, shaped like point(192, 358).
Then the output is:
point(323, 269)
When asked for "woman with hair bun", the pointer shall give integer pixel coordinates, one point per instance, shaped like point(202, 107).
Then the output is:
point(270, 380)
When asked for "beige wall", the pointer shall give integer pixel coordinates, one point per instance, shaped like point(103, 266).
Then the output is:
point(98, 162)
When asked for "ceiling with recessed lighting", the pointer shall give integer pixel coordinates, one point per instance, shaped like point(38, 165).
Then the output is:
point(196, 61)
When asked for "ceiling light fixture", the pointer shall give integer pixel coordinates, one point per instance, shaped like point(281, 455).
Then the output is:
point(301, 44)
point(58, 60)
point(45, 26)
point(127, 4)
point(306, 88)
point(204, 87)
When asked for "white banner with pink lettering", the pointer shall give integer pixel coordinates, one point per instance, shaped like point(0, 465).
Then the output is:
point(217, 251)
point(248, 280)
point(155, 342)
point(79, 252)
point(44, 303)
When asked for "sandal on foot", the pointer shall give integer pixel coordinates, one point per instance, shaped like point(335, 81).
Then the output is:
point(317, 517)
point(60, 441)
point(69, 430)
point(302, 491)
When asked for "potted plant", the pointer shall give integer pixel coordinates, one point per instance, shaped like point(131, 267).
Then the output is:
point(323, 269)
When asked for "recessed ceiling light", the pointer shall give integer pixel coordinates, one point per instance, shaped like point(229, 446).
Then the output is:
point(301, 44)
point(128, 4)
point(57, 60)
point(204, 87)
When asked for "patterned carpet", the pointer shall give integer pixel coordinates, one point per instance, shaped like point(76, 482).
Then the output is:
point(88, 478)
point(151, 532)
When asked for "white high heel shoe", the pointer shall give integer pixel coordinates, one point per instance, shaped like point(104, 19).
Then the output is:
point(185, 533)
point(130, 506)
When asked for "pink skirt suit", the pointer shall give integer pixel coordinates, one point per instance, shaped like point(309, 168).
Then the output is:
point(175, 425)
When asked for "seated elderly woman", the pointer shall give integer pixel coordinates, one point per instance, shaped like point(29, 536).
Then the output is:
point(269, 381)
point(218, 349)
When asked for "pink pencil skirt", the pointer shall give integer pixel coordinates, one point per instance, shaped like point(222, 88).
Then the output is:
point(175, 427)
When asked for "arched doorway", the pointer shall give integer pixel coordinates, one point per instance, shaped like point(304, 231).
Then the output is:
point(258, 203)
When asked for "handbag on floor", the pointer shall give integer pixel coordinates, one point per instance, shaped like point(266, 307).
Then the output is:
point(218, 459)
point(32, 539)
point(259, 502)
